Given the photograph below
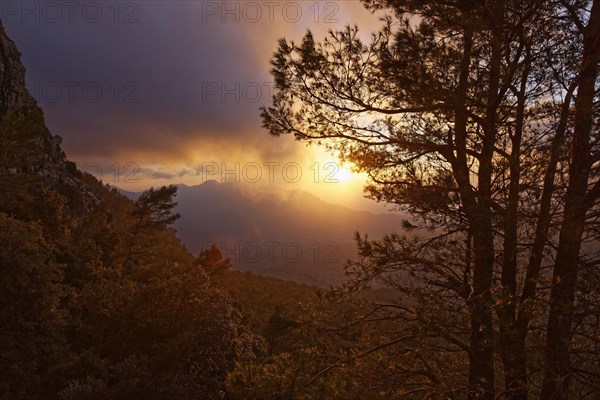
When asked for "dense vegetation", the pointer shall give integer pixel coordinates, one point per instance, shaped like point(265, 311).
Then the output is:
point(480, 119)
point(105, 302)
point(464, 115)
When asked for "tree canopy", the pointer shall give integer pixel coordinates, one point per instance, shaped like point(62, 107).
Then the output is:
point(485, 130)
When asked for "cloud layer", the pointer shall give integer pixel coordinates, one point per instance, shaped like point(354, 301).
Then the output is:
point(168, 85)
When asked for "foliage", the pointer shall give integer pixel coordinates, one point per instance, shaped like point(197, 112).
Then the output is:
point(32, 317)
point(485, 131)
point(108, 304)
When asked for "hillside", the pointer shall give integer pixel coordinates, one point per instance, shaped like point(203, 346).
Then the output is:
point(100, 300)
point(292, 235)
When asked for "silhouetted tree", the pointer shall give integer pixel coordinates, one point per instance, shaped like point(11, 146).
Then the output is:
point(212, 261)
point(461, 114)
point(153, 211)
point(582, 194)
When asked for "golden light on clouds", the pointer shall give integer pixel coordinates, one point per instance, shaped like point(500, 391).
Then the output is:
point(196, 111)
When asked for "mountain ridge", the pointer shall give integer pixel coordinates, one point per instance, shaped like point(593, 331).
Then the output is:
point(228, 199)
point(286, 234)
point(29, 145)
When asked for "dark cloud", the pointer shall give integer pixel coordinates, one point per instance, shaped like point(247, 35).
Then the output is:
point(154, 78)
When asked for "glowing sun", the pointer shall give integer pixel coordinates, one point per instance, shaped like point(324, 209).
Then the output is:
point(344, 174)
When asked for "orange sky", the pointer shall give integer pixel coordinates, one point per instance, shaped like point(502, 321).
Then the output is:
point(197, 72)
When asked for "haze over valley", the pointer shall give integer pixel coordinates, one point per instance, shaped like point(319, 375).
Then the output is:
point(300, 200)
point(271, 231)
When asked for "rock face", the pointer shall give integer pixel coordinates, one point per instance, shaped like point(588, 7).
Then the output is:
point(55, 169)
point(13, 93)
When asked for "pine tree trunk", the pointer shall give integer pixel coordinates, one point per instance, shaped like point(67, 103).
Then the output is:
point(481, 359)
point(511, 339)
point(557, 361)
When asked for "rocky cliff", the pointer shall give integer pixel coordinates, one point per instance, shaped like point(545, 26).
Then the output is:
point(51, 164)
point(14, 97)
